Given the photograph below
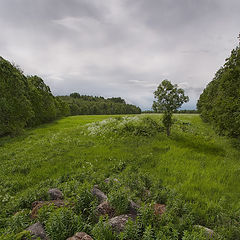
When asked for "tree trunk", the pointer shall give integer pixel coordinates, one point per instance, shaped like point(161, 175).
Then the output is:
point(168, 131)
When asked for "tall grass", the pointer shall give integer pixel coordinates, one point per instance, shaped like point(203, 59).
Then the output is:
point(201, 166)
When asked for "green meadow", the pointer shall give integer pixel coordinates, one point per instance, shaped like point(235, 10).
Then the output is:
point(193, 168)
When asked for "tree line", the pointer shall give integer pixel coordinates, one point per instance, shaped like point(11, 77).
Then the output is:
point(83, 104)
point(219, 104)
point(26, 101)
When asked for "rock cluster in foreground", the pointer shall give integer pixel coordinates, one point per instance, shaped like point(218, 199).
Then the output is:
point(104, 208)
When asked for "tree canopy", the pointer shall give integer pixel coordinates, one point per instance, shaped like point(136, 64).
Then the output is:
point(90, 105)
point(219, 104)
point(168, 99)
point(25, 101)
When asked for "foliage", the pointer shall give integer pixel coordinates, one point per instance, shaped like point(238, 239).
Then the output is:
point(19, 221)
point(103, 231)
point(219, 104)
point(25, 101)
point(83, 104)
point(131, 231)
point(194, 235)
point(148, 233)
point(136, 126)
point(149, 169)
point(63, 223)
point(45, 212)
point(168, 99)
point(15, 107)
point(42, 100)
point(118, 198)
point(85, 204)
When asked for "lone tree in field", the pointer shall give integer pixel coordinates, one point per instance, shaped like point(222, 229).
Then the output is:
point(168, 99)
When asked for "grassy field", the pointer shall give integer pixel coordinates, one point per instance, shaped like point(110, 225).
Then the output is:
point(193, 165)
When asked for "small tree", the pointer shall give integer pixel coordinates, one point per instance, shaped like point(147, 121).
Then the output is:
point(168, 99)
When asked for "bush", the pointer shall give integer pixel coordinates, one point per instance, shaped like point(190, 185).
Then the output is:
point(148, 234)
point(103, 231)
point(131, 231)
point(85, 204)
point(118, 199)
point(63, 223)
point(194, 235)
point(19, 221)
point(45, 212)
point(146, 216)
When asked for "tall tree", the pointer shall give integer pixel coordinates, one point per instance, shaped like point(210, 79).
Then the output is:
point(43, 102)
point(168, 99)
point(219, 104)
point(15, 107)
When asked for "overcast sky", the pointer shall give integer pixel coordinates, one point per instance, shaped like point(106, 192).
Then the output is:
point(120, 47)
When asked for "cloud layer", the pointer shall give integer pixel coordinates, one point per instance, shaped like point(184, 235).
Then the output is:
point(120, 47)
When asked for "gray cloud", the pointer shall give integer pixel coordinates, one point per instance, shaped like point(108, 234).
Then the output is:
point(120, 47)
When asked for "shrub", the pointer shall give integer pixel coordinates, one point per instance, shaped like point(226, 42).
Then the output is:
point(118, 198)
point(137, 182)
point(103, 231)
point(45, 212)
point(131, 231)
point(19, 221)
point(148, 234)
point(194, 235)
point(85, 204)
point(146, 216)
point(167, 233)
point(63, 223)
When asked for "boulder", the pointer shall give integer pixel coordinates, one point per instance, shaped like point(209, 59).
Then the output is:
point(99, 194)
point(209, 232)
point(37, 230)
point(55, 194)
point(105, 209)
point(39, 204)
point(133, 207)
point(159, 209)
point(118, 223)
point(80, 236)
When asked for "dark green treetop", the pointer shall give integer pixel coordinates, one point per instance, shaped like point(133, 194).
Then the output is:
point(168, 99)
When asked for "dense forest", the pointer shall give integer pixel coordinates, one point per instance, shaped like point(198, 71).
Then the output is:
point(82, 104)
point(219, 104)
point(26, 101)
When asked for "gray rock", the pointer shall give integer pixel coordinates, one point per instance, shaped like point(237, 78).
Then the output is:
point(55, 194)
point(99, 194)
point(118, 223)
point(209, 232)
point(37, 230)
point(133, 208)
